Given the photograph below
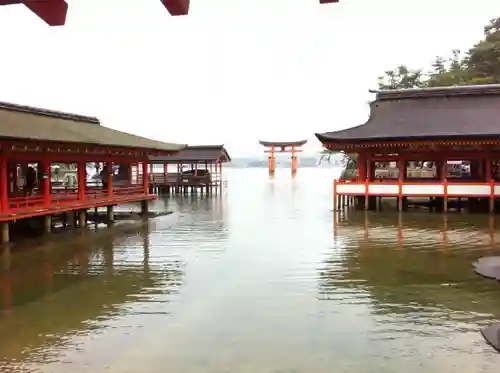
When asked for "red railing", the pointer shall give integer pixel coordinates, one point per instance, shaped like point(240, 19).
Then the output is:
point(69, 196)
point(128, 190)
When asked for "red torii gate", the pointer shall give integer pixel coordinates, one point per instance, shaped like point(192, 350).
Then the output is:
point(54, 12)
point(272, 147)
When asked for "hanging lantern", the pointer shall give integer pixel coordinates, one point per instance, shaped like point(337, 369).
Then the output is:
point(53, 12)
point(177, 7)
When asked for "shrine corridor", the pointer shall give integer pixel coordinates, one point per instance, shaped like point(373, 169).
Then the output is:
point(257, 280)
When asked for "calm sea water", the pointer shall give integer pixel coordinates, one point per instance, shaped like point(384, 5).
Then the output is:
point(261, 279)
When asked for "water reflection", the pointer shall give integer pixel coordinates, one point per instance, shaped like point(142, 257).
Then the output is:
point(254, 281)
point(82, 289)
point(412, 273)
point(421, 229)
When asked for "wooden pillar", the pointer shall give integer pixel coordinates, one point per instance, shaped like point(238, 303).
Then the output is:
point(294, 161)
point(443, 166)
point(109, 175)
point(82, 179)
point(47, 224)
point(370, 170)
point(110, 215)
point(144, 207)
point(4, 227)
point(45, 181)
point(4, 184)
point(82, 218)
point(220, 168)
point(145, 177)
point(362, 169)
point(489, 178)
point(12, 177)
point(365, 166)
point(335, 197)
point(401, 167)
point(272, 162)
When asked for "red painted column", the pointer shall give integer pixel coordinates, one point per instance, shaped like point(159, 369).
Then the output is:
point(220, 170)
point(402, 175)
point(109, 174)
point(82, 179)
point(488, 169)
point(45, 182)
point(362, 172)
point(4, 184)
point(145, 177)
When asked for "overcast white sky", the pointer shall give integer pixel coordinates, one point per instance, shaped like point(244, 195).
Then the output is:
point(233, 71)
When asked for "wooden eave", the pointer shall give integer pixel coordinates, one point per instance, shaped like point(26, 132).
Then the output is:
point(70, 150)
point(410, 143)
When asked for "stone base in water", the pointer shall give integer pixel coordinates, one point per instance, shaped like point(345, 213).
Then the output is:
point(488, 266)
point(492, 335)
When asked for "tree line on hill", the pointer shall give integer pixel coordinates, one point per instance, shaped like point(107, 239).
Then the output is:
point(479, 65)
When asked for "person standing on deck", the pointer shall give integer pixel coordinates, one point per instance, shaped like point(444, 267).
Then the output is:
point(104, 178)
point(30, 183)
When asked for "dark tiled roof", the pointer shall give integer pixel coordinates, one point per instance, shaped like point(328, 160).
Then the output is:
point(196, 154)
point(449, 112)
point(280, 144)
point(30, 123)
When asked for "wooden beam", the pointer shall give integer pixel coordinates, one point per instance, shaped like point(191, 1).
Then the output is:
point(52, 12)
point(177, 7)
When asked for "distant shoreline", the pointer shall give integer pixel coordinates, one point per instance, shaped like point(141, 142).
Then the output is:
point(284, 162)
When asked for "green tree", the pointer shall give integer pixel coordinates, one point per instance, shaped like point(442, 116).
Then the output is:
point(401, 77)
point(449, 72)
point(480, 65)
point(483, 59)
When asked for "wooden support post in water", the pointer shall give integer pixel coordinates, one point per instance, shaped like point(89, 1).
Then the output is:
point(401, 178)
point(335, 197)
point(110, 218)
point(47, 224)
point(442, 168)
point(5, 232)
point(82, 218)
point(489, 176)
point(272, 162)
point(144, 207)
point(294, 161)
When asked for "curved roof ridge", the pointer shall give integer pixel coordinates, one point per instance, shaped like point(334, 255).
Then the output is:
point(282, 143)
point(441, 112)
point(428, 92)
point(47, 112)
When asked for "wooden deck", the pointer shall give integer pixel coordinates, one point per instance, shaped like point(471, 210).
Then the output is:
point(179, 183)
point(344, 192)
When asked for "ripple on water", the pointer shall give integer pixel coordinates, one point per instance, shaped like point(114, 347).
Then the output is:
point(259, 280)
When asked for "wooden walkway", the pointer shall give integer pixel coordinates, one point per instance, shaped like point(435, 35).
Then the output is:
point(184, 184)
point(31, 206)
